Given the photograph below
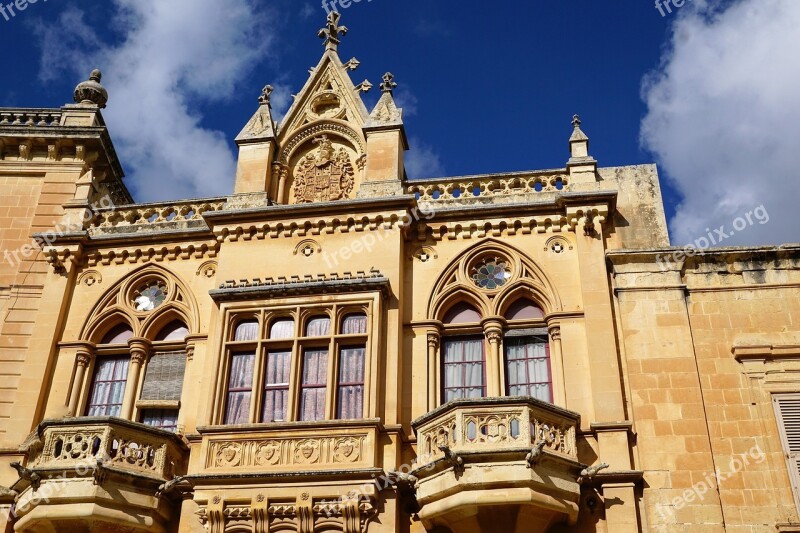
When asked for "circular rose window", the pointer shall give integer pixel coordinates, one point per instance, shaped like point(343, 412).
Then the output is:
point(491, 273)
point(150, 296)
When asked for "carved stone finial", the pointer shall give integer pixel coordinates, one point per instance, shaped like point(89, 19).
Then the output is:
point(576, 121)
point(91, 92)
point(332, 32)
point(265, 95)
point(388, 84)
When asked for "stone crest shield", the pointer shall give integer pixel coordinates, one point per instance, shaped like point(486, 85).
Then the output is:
point(323, 175)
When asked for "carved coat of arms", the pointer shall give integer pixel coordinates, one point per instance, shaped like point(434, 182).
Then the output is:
point(323, 175)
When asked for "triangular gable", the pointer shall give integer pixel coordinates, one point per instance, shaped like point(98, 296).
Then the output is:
point(329, 94)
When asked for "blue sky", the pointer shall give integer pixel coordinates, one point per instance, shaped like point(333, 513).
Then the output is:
point(487, 87)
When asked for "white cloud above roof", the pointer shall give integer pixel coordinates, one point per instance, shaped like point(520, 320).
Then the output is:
point(166, 57)
point(723, 116)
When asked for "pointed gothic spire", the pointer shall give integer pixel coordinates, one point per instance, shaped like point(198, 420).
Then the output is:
point(582, 166)
point(332, 32)
point(260, 127)
point(386, 110)
point(577, 133)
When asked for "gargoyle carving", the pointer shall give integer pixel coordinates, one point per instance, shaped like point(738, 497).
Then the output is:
point(28, 475)
point(536, 453)
point(453, 459)
point(590, 472)
point(178, 486)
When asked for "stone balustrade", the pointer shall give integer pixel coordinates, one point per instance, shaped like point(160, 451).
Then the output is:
point(30, 117)
point(153, 217)
point(77, 445)
point(500, 185)
point(495, 424)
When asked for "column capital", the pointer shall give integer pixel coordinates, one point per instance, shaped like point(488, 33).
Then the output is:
point(140, 349)
point(555, 332)
point(434, 339)
point(493, 328)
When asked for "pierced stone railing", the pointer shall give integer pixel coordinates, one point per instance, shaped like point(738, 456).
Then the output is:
point(78, 444)
point(475, 187)
point(30, 117)
point(133, 218)
point(496, 424)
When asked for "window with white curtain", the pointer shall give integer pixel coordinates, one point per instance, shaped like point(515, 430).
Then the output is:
point(464, 368)
point(528, 367)
point(308, 364)
point(108, 386)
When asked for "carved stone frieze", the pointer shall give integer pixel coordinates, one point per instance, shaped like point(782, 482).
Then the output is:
point(288, 452)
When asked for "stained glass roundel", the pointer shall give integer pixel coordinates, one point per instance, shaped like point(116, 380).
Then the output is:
point(492, 274)
point(150, 297)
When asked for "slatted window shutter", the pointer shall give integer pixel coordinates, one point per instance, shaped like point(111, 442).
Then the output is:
point(787, 410)
point(164, 377)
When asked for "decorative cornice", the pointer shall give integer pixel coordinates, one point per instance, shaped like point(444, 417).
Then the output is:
point(295, 286)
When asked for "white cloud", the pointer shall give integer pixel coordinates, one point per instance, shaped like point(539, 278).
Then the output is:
point(170, 56)
point(723, 118)
point(422, 161)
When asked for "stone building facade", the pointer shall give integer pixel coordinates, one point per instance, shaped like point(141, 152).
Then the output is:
point(333, 347)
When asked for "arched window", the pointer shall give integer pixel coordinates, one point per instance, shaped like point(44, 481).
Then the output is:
point(118, 335)
point(174, 331)
point(462, 313)
point(463, 356)
point(350, 383)
point(242, 367)
point(524, 309)
point(163, 381)
point(110, 375)
point(527, 352)
point(319, 326)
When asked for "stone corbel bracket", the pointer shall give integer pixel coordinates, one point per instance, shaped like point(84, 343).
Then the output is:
point(589, 218)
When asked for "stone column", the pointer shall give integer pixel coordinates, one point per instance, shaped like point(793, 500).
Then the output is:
point(434, 340)
point(83, 359)
point(557, 366)
point(140, 349)
point(493, 330)
point(281, 172)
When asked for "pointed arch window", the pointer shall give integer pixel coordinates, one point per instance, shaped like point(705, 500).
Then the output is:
point(110, 375)
point(159, 402)
point(463, 358)
point(527, 352)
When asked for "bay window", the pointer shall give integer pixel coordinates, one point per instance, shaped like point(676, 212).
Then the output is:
point(310, 364)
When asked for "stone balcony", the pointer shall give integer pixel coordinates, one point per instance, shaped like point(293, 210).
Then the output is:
point(497, 464)
point(98, 474)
